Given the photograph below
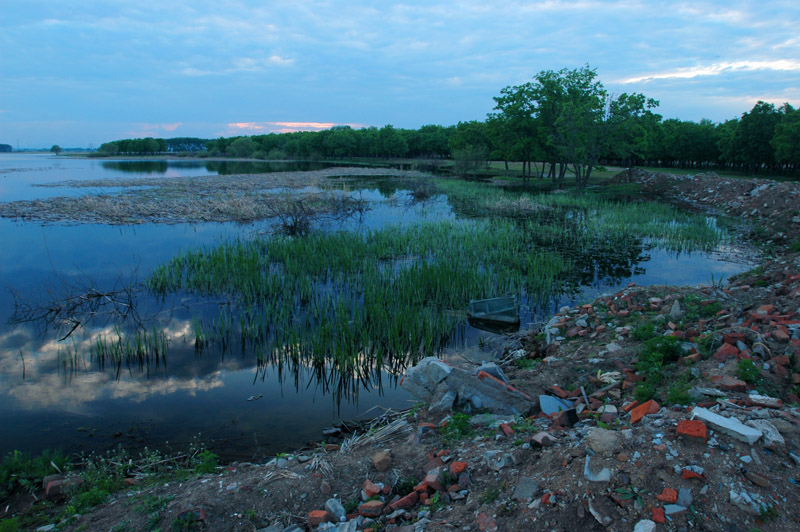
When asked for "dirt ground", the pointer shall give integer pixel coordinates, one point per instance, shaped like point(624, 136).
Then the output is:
point(614, 464)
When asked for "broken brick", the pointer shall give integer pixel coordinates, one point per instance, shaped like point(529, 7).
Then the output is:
point(693, 428)
point(669, 496)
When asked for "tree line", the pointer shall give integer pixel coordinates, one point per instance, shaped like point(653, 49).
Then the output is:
point(560, 122)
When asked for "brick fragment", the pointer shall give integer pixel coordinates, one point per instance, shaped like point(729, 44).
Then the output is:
point(669, 496)
point(317, 517)
point(693, 429)
point(658, 515)
point(456, 468)
point(650, 407)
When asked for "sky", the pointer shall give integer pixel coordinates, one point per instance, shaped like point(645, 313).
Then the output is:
point(80, 73)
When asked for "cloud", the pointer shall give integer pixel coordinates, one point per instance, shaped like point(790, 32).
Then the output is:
point(240, 65)
point(241, 128)
point(715, 69)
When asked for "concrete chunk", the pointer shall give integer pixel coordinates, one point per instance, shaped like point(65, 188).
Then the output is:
point(730, 426)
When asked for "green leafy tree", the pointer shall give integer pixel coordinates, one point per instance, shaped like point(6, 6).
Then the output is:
point(391, 143)
point(242, 147)
point(514, 122)
point(786, 141)
point(756, 129)
point(630, 123)
point(56, 149)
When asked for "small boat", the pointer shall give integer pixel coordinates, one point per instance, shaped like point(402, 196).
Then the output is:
point(495, 314)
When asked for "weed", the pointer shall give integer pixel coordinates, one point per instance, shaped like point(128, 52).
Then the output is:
point(436, 502)
point(527, 363)
point(21, 470)
point(405, 485)
point(10, 525)
point(769, 513)
point(678, 393)
point(644, 332)
point(206, 462)
point(632, 492)
point(706, 311)
point(350, 505)
point(457, 428)
point(748, 371)
point(491, 494)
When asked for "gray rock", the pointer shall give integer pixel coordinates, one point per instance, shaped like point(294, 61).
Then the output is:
point(730, 426)
point(527, 488)
point(492, 369)
point(772, 437)
point(645, 525)
point(274, 527)
point(437, 383)
point(671, 509)
point(581, 323)
point(553, 405)
point(442, 401)
point(349, 526)
point(602, 441)
point(685, 497)
point(604, 475)
point(421, 380)
point(336, 508)
point(743, 500)
point(675, 313)
point(613, 347)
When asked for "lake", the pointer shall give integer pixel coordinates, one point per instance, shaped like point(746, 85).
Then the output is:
point(55, 396)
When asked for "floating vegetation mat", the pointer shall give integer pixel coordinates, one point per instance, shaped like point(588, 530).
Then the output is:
point(230, 198)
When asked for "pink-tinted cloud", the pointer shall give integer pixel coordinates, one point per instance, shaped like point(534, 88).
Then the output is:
point(243, 128)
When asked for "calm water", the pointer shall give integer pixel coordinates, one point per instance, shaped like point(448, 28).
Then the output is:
point(47, 403)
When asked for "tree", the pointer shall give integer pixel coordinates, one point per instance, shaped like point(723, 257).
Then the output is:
point(579, 133)
point(756, 129)
point(56, 149)
point(391, 142)
point(630, 122)
point(242, 147)
point(786, 141)
point(515, 122)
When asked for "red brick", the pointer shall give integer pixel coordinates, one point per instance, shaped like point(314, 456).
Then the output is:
point(456, 468)
point(669, 496)
point(507, 430)
point(650, 407)
point(371, 509)
point(732, 338)
point(370, 488)
point(406, 503)
point(317, 517)
point(558, 392)
point(725, 352)
point(780, 360)
point(630, 406)
point(766, 309)
point(658, 515)
point(728, 383)
point(486, 523)
point(691, 475)
point(781, 335)
point(693, 428)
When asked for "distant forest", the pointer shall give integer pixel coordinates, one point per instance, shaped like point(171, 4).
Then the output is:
point(565, 118)
point(5, 148)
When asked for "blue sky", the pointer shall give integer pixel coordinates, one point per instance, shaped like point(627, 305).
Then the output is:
point(79, 73)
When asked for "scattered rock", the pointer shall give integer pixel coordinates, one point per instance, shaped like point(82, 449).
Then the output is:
point(729, 426)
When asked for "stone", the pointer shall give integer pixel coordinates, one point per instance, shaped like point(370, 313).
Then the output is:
point(545, 439)
point(693, 429)
point(436, 383)
point(730, 426)
point(552, 405)
point(765, 401)
point(382, 460)
point(672, 509)
point(684, 497)
point(335, 508)
point(604, 475)
point(526, 489)
point(492, 369)
point(743, 500)
point(645, 525)
point(442, 401)
point(675, 313)
point(725, 352)
point(603, 441)
point(613, 347)
point(757, 479)
point(772, 437)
